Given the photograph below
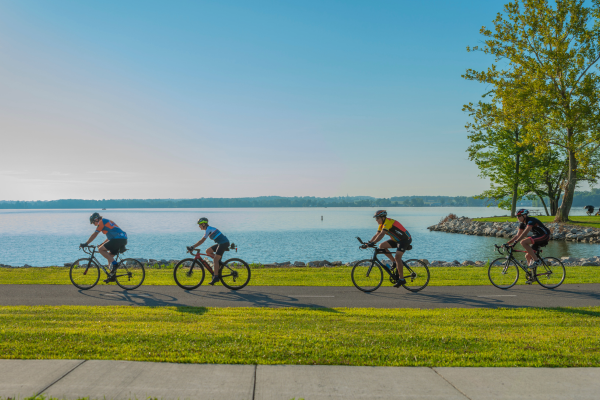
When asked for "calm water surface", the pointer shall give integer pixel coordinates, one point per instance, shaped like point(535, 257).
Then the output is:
point(51, 237)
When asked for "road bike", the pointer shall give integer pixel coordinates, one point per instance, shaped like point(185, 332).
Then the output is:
point(85, 272)
point(504, 272)
point(189, 273)
point(367, 275)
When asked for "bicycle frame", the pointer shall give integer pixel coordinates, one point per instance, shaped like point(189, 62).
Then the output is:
point(374, 259)
point(198, 256)
point(511, 257)
point(92, 257)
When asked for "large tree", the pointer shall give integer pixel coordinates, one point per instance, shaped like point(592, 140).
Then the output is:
point(546, 58)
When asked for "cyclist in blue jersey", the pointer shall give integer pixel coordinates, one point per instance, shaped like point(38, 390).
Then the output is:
point(216, 251)
point(115, 242)
point(541, 236)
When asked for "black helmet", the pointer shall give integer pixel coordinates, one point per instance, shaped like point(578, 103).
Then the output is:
point(380, 213)
point(523, 211)
point(94, 217)
point(203, 220)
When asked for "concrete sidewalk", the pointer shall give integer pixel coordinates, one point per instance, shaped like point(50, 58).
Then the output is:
point(72, 379)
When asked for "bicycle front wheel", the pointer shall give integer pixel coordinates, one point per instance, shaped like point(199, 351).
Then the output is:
point(503, 273)
point(551, 274)
point(189, 274)
point(367, 276)
point(234, 273)
point(84, 273)
point(130, 274)
point(416, 274)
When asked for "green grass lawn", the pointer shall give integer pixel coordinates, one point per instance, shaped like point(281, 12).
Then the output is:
point(524, 337)
point(589, 222)
point(332, 276)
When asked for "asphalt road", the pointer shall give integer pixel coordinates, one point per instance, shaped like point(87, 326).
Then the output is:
point(576, 295)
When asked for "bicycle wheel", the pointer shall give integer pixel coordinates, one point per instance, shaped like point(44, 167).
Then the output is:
point(367, 275)
point(189, 274)
point(416, 274)
point(551, 274)
point(503, 273)
point(234, 273)
point(130, 274)
point(84, 273)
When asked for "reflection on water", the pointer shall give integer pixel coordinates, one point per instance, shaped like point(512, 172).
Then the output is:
point(47, 237)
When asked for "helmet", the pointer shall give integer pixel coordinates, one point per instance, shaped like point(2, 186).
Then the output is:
point(94, 217)
point(203, 220)
point(380, 213)
point(522, 211)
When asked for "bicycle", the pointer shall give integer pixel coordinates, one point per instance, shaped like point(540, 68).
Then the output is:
point(189, 273)
point(367, 275)
point(85, 272)
point(504, 272)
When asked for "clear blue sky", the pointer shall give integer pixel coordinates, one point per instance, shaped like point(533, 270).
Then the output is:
point(182, 99)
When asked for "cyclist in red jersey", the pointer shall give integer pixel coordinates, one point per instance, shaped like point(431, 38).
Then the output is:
point(399, 239)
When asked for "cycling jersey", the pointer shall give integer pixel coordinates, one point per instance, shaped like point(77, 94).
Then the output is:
point(536, 226)
point(395, 230)
point(216, 235)
point(110, 229)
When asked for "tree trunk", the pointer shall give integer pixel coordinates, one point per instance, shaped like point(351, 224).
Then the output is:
point(563, 212)
point(513, 207)
point(544, 203)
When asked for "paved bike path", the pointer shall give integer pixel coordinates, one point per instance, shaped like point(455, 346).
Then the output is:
point(101, 379)
point(574, 295)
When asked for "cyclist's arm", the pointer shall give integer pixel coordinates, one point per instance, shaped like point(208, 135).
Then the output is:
point(521, 234)
point(92, 238)
point(378, 236)
point(199, 243)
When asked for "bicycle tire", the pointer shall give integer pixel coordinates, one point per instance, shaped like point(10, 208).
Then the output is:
point(418, 272)
point(368, 277)
point(502, 271)
point(550, 271)
point(234, 273)
point(84, 267)
point(130, 274)
point(189, 274)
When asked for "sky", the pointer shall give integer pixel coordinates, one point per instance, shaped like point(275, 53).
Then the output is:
point(187, 99)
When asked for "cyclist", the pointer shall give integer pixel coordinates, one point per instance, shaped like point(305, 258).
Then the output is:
point(216, 251)
point(115, 242)
point(399, 238)
point(541, 235)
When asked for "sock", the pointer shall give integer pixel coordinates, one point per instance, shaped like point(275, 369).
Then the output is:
point(114, 265)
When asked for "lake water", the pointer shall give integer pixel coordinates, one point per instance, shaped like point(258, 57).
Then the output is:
point(51, 237)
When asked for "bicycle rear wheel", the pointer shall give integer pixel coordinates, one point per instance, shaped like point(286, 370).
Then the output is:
point(366, 275)
point(551, 274)
point(84, 273)
point(416, 274)
point(234, 273)
point(189, 274)
point(503, 273)
point(130, 274)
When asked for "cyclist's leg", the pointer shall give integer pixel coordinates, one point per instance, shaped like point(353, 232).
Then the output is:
point(402, 247)
point(105, 250)
point(387, 245)
point(530, 255)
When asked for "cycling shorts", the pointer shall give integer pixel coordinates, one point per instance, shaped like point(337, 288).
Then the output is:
point(538, 241)
point(221, 248)
point(403, 245)
point(115, 246)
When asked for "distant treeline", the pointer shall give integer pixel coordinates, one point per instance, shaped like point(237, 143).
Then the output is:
point(581, 199)
point(266, 201)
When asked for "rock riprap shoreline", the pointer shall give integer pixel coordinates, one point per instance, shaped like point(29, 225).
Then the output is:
point(507, 230)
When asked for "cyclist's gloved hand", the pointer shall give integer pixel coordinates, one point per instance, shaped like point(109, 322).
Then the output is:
point(190, 248)
point(82, 245)
point(363, 246)
point(370, 244)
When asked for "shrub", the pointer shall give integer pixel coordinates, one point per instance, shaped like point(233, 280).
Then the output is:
point(447, 218)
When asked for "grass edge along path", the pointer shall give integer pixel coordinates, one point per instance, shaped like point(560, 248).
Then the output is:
point(522, 337)
point(330, 276)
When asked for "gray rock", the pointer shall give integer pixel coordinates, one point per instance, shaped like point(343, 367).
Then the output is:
point(426, 261)
point(299, 264)
point(468, 262)
point(314, 264)
point(589, 264)
point(336, 263)
point(66, 265)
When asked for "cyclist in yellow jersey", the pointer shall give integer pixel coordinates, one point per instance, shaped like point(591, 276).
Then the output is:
point(399, 239)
